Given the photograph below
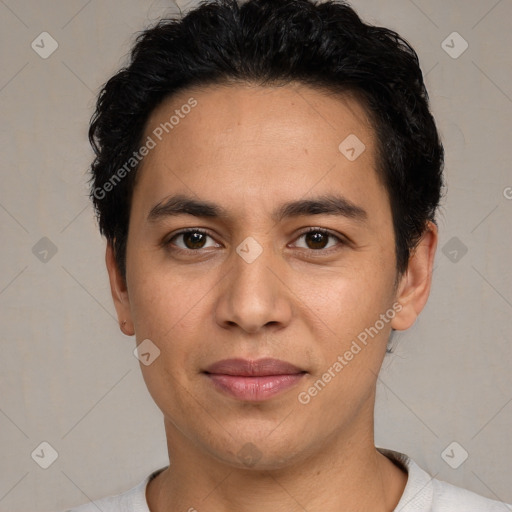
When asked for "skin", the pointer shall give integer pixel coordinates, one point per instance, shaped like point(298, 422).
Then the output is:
point(249, 149)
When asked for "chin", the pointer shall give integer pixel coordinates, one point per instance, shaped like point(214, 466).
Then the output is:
point(258, 452)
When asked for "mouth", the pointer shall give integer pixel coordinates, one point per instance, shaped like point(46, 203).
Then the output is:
point(253, 380)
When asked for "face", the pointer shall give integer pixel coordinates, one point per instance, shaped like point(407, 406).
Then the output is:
point(282, 247)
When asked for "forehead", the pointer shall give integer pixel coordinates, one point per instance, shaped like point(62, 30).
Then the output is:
point(246, 140)
point(261, 115)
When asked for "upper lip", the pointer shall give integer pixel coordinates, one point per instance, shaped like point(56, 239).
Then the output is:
point(257, 368)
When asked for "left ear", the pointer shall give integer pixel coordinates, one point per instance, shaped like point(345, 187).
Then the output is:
point(414, 287)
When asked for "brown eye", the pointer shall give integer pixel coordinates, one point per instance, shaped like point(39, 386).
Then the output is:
point(317, 239)
point(193, 239)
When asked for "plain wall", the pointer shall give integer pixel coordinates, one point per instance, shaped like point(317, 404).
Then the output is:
point(68, 375)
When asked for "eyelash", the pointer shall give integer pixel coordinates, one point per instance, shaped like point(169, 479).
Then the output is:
point(167, 242)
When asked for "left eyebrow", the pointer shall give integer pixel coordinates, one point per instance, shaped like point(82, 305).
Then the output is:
point(323, 205)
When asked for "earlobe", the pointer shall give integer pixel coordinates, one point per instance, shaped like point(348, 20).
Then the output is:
point(414, 286)
point(119, 292)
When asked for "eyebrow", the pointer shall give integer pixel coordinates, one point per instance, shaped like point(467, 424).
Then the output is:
point(323, 205)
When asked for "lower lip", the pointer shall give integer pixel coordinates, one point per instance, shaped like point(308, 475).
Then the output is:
point(254, 388)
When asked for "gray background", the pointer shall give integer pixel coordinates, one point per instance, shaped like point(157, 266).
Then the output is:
point(68, 375)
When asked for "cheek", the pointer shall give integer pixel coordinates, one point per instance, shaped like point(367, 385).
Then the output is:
point(350, 353)
point(348, 296)
point(165, 314)
point(171, 308)
point(348, 305)
point(160, 296)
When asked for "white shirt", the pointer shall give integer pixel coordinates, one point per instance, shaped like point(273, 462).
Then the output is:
point(422, 493)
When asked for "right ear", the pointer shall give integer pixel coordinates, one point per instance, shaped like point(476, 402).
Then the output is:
point(119, 292)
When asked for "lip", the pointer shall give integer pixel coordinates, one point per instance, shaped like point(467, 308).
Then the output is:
point(257, 368)
point(253, 380)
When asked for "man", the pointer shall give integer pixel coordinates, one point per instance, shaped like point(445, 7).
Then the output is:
point(267, 176)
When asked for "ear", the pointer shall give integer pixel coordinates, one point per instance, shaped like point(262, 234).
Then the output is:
point(119, 292)
point(414, 287)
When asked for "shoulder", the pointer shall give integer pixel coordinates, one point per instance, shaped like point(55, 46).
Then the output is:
point(448, 498)
point(423, 493)
point(132, 500)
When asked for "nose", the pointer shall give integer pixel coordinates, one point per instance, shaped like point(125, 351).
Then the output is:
point(254, 293)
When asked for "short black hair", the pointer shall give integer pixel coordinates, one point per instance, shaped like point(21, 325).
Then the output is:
point(274, 42)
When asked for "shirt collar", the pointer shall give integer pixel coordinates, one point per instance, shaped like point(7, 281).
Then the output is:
point(418, 492)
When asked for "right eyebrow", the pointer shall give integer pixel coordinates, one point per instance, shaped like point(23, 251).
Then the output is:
point(180, 204)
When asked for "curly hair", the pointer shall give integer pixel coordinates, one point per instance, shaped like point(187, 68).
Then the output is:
point(268, 42)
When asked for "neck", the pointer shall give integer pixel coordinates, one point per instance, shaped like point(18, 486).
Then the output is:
point(345, 473)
